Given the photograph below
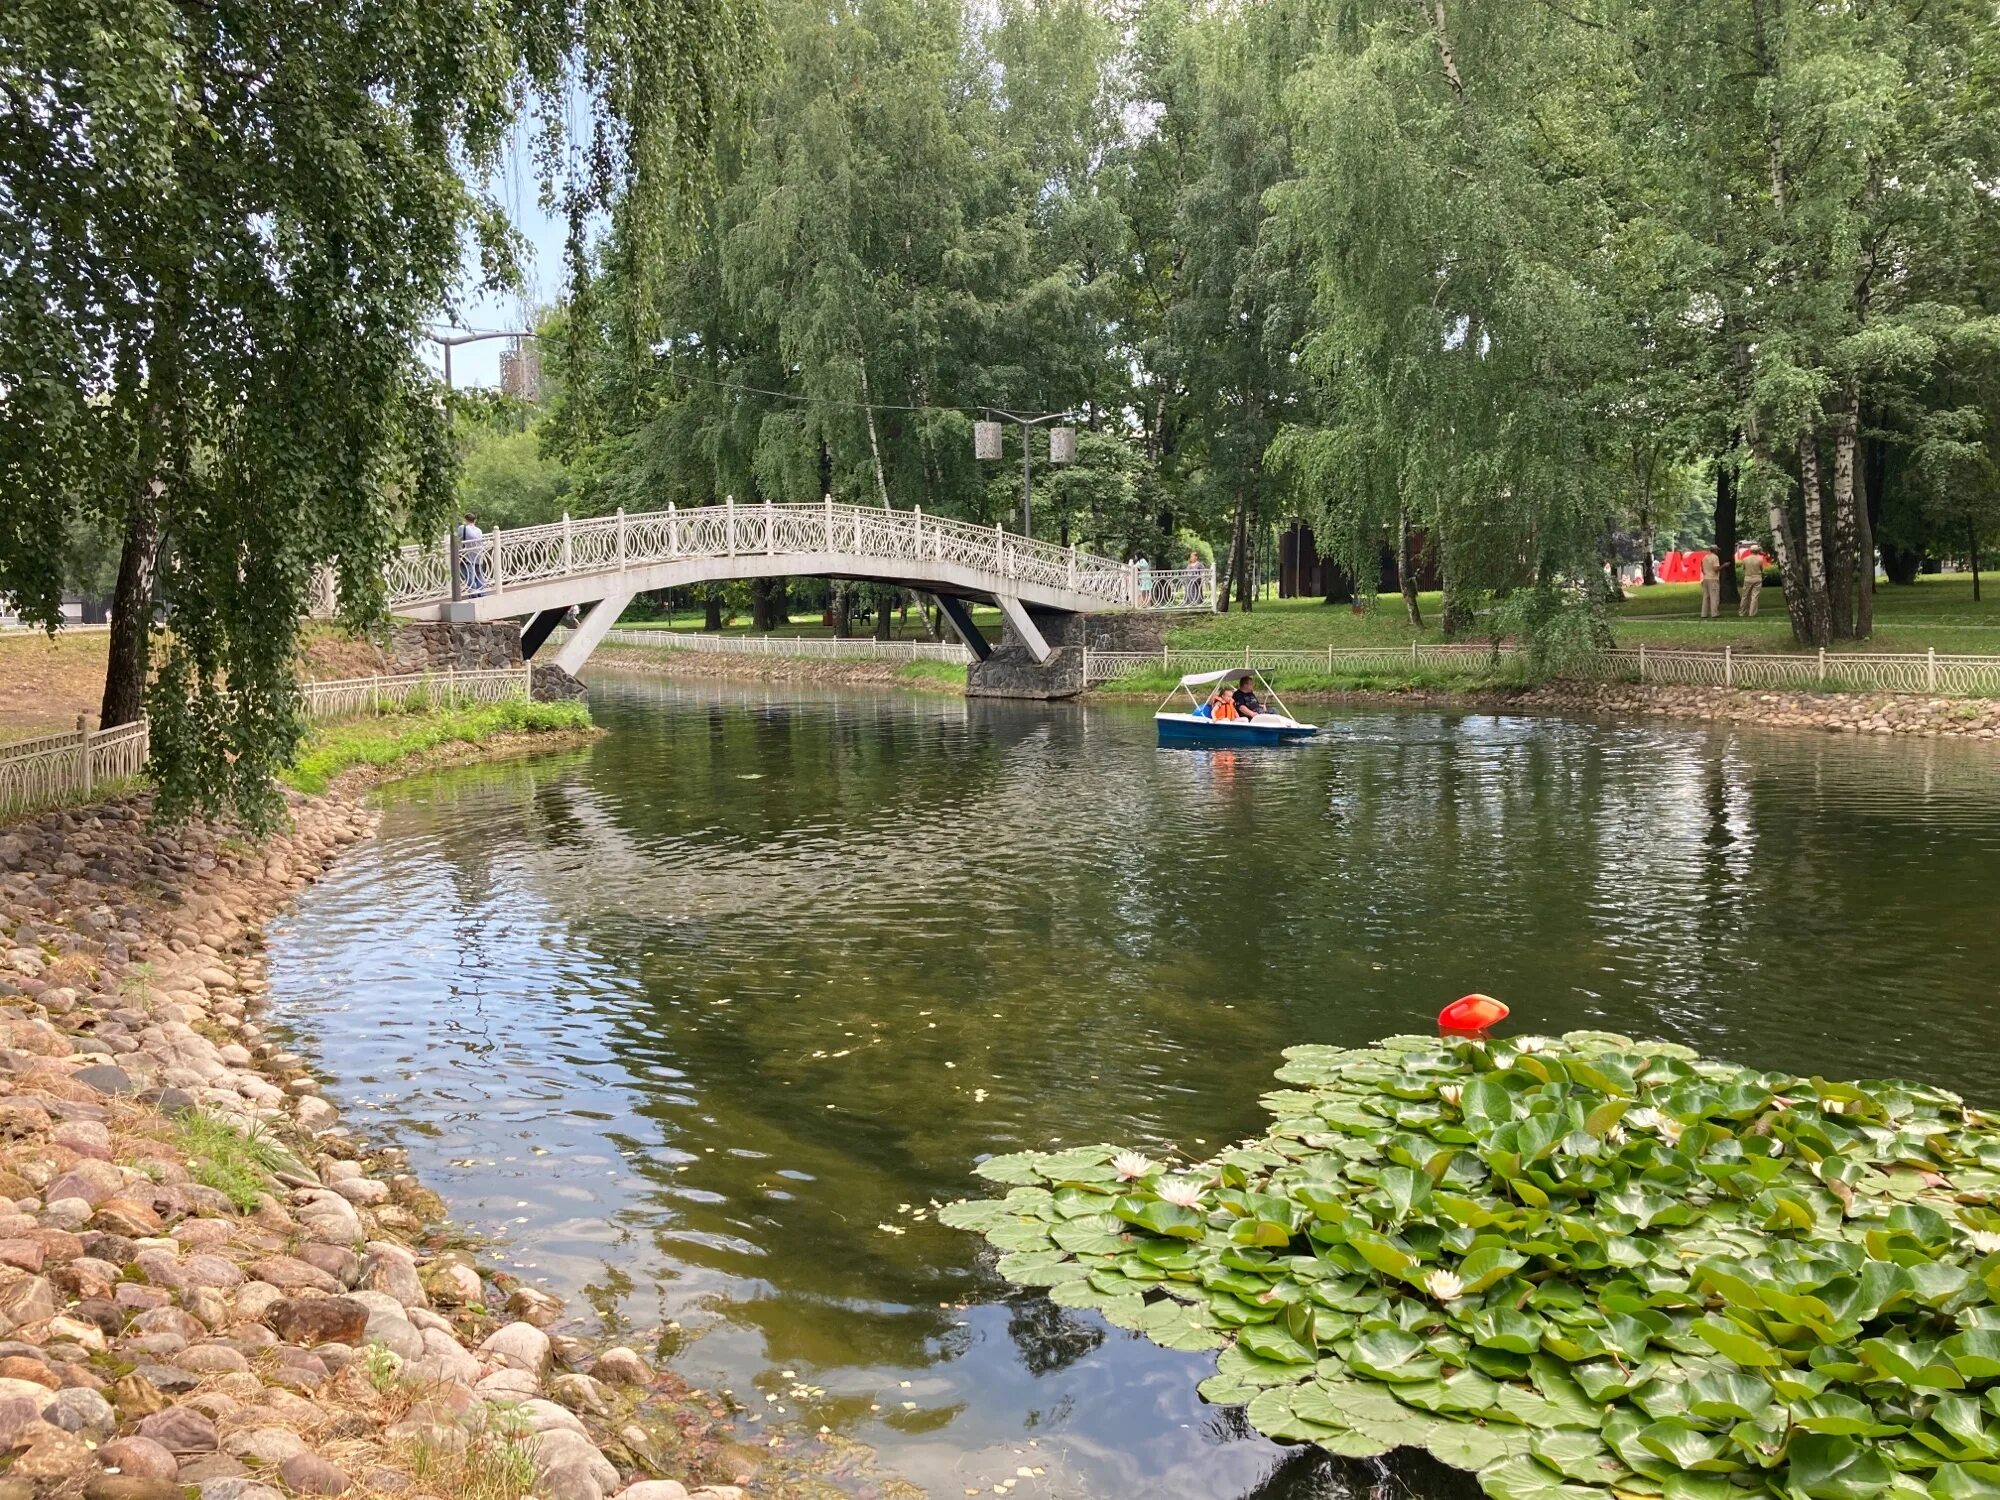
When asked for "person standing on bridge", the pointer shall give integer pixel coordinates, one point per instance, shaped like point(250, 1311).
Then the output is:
point(1195, 593)
point(469, 538)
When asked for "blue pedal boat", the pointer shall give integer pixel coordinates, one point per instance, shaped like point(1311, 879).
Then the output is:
point(1194, 728)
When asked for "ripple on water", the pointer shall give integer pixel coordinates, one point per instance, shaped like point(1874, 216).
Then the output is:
point(696, 1043)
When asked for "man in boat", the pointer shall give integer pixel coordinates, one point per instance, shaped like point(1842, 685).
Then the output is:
point(1245, 698)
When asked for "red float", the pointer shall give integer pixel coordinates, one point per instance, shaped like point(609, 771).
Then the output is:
point(1471, 1015)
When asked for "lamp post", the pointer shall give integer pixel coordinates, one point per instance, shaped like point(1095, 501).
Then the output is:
point(450, 341)
point(1062, 450)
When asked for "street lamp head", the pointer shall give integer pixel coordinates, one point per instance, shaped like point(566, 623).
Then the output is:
point(986, 440)
point(1062, 445)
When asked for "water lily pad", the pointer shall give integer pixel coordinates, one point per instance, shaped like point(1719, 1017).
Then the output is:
point(1522, 1477)
point(1391, 1354)
point(1580, 1455)
point(1836, 1468)
point(1475, 1445)
point(1582, 1268)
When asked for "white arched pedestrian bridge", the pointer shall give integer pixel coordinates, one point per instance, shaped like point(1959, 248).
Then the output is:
point(543, 572)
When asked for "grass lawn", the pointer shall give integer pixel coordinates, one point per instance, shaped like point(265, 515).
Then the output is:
point(1934, 613)
point(45, 684)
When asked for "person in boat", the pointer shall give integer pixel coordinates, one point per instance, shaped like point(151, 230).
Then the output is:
point(1218, 704)
point(1245, 700)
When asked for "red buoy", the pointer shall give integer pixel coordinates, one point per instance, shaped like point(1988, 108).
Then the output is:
point(1471, 1015)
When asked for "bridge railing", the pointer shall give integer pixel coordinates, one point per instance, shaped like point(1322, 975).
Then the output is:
point(872, 537)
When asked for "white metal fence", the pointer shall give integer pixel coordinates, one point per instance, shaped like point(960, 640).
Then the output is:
point(54, 769)
point(347, 697)
point(1932, 673)
point(824, 648)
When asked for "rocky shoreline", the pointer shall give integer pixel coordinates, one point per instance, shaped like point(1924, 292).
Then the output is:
point(1839, 713)
point(207, 1286)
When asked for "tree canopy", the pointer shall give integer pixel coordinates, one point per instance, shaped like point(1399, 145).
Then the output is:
point(223, 227)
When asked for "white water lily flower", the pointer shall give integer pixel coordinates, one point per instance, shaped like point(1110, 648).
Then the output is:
point(1444, 1286)
point(1985, 1241)
point(1182, 1192)
point(1531, 1044)
point(1651, 1119)
point(1451, 1093)
point(1131, 1164)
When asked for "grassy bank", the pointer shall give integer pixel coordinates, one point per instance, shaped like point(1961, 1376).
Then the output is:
point(1935, 613)
point(389, 738)
point(940, 676)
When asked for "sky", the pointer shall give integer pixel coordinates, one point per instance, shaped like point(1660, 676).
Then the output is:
point(479, 364)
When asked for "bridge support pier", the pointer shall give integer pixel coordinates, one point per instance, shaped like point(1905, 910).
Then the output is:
point(961, 621)
point(576, 648)
point(1015, 671)
point(538, 630)
point(1021, 627)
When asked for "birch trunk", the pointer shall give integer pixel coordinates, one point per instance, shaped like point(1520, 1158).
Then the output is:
point(1847, 438)
point(874, 447)
point(1406, 573)
point(1819, 605)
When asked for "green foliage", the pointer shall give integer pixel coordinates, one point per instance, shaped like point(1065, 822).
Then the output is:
point(401, 733)
point(222, 229)
point(505, 476)
point(1559, 626)
point(230, 1160)
point(1579, 1267)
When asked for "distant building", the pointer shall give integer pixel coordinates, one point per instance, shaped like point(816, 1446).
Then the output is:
point(521, 370)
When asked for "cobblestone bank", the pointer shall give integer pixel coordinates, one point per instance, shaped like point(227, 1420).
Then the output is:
point(207, 1286)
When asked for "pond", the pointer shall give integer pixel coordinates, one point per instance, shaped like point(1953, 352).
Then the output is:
point(704, 1021)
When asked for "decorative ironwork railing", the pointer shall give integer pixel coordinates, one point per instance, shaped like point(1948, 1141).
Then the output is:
point(54, 769)
point(859, 539)
point(1931, 673)
point(349, 697)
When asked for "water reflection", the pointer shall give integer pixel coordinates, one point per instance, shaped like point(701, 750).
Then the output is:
point(708, 1018)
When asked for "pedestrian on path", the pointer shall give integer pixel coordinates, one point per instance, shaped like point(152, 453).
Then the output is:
point(1753, 583)
point(1711, 585)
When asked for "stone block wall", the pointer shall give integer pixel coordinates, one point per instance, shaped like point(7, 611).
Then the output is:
point(432, 646)
point(1012, 671)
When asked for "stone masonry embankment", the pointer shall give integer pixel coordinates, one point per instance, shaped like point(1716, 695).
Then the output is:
point(307, 1332)
point(1844, 713)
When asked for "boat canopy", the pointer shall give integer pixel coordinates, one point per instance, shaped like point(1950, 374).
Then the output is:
point(1202, 679)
